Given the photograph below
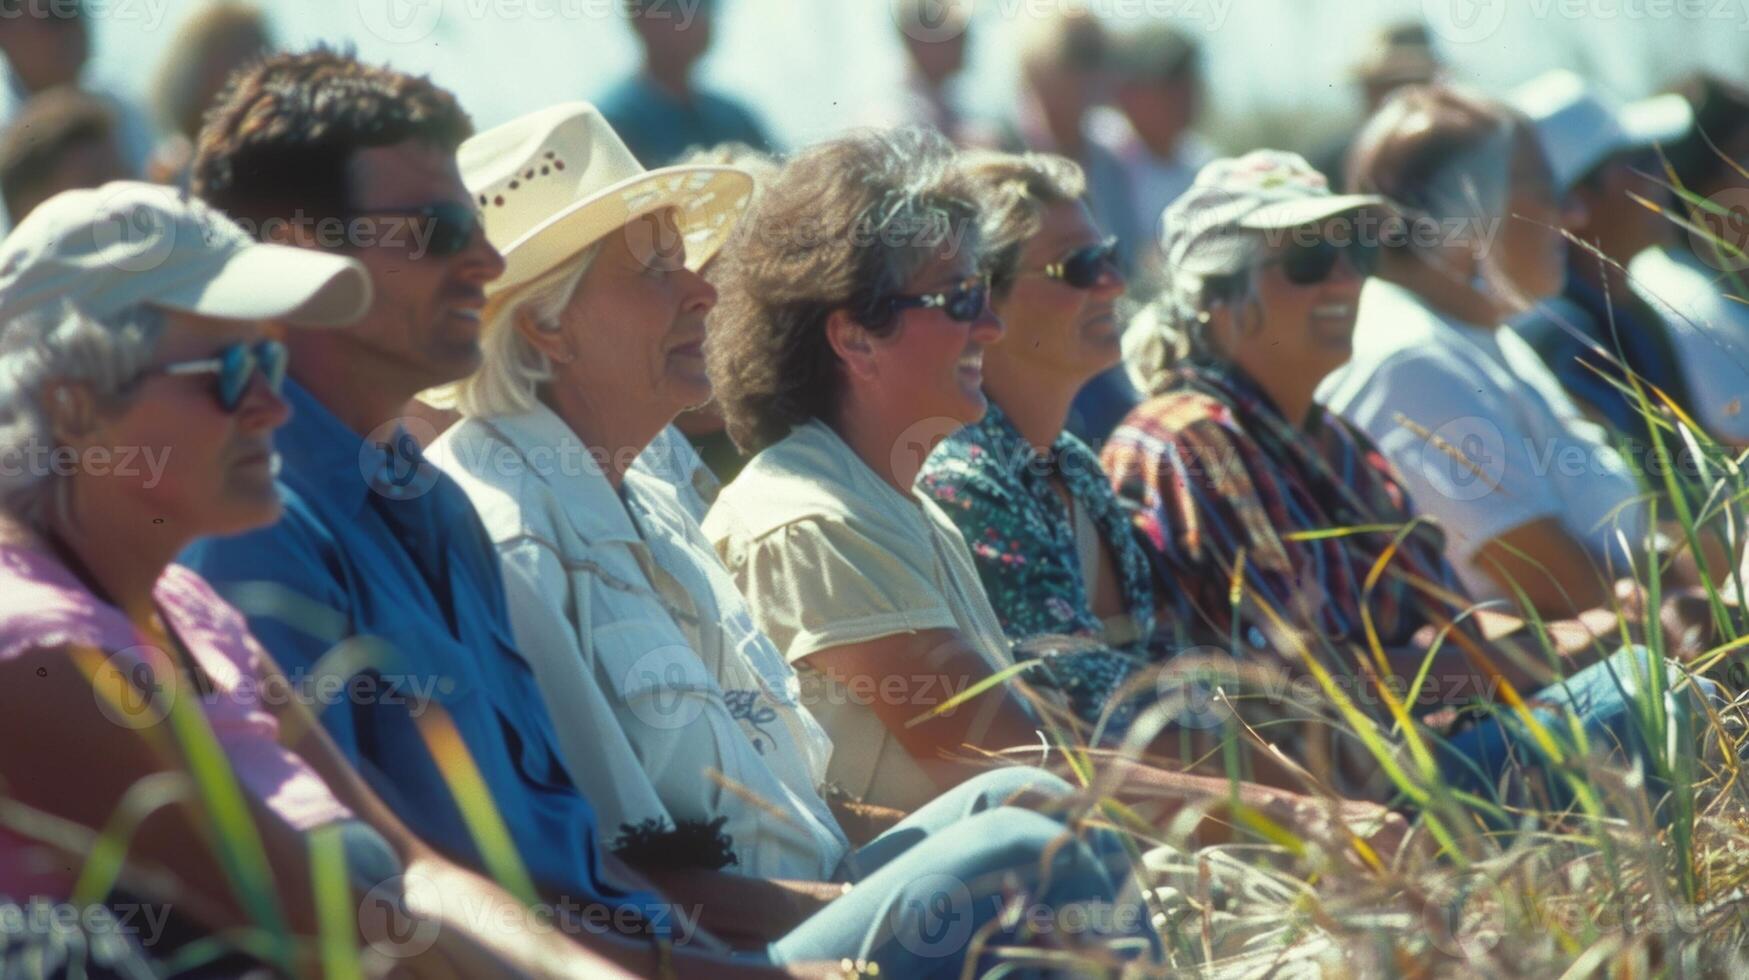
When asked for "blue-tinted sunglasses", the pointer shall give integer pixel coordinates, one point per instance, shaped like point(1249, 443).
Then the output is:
point(964, 302)
point(236, 366)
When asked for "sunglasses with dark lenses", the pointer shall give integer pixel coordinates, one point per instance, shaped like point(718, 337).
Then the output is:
point(964, 302)
point(436, 230)
point(1308, 265)
point(1084, 267)
point(235, 367)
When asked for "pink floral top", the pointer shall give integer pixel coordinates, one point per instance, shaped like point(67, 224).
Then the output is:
point(42, 604)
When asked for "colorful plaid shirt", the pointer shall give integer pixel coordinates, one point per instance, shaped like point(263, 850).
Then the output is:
point(996, 488)
point(1213, 471)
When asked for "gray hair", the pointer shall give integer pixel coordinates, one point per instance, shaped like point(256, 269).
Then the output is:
point(512, 369)
point(58, 342)
point(1173, 327)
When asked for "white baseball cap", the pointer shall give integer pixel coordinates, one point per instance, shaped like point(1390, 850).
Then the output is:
point(128, 243)
point(1580, 127)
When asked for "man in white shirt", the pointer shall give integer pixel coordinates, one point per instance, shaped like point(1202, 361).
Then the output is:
point(1698, 286)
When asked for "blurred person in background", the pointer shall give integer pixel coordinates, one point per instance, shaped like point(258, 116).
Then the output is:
point(46, 44)
point(935, 35)
point(1598, 330)
point(1065, 58)
point(1693, 281)
point(1065, 70)
point(163, 338)
point(1157, 102)
point(658, 111)
point(1053, 549)
point(219, 39)
point(1399, 54)
point(1467, 413)
point(62, 139)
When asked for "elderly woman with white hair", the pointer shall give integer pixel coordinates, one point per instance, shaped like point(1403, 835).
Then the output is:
point(677, 716)
point(139, 393)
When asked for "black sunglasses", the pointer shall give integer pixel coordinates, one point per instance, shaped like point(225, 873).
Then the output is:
point(1308, 265)
point(235, 366)
point(448, 227)
point(1084, 267)
point(964, 302)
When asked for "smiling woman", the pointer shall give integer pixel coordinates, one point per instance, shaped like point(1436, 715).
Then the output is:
point(1054, 550)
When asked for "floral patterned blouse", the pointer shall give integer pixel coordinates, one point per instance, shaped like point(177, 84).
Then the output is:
point(996, 488)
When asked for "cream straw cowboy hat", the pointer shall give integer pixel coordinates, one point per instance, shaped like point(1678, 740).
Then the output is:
point(554, 182)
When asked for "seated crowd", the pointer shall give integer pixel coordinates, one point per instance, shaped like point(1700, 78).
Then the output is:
point(817, 723)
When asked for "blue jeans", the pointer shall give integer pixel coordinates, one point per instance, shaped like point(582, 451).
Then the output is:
point(927, 888)
point(1602, 697)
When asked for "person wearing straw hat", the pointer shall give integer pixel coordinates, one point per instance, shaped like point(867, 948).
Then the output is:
point(592, 346)
point(141, 345)
point(587, 600)
point(1397, 55)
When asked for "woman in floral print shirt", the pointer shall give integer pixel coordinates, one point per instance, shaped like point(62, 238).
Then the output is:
point(1054, 549)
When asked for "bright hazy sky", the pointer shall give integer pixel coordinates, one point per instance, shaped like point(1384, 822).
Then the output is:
point(811, 66)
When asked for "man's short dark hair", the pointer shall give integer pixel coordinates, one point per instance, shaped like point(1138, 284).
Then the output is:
point(45, 129)
point(280, 140)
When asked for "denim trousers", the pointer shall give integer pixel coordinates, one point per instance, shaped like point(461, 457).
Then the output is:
point(1500, 759)
point(926, 890)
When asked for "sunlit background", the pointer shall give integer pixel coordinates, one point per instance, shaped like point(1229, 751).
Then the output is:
point(1277, 68)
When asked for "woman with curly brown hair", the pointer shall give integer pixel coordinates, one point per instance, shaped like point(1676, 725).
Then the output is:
point(848, 341)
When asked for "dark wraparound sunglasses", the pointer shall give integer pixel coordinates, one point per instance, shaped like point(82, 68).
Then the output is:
point(1084, 267)
point(450, 226)
point(964, 302)
point(1308, 265)
point(235, 366)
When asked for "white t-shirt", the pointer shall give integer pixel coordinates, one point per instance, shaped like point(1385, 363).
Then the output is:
point(688, 732)
point(1709, 331)
point(1481, 433)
